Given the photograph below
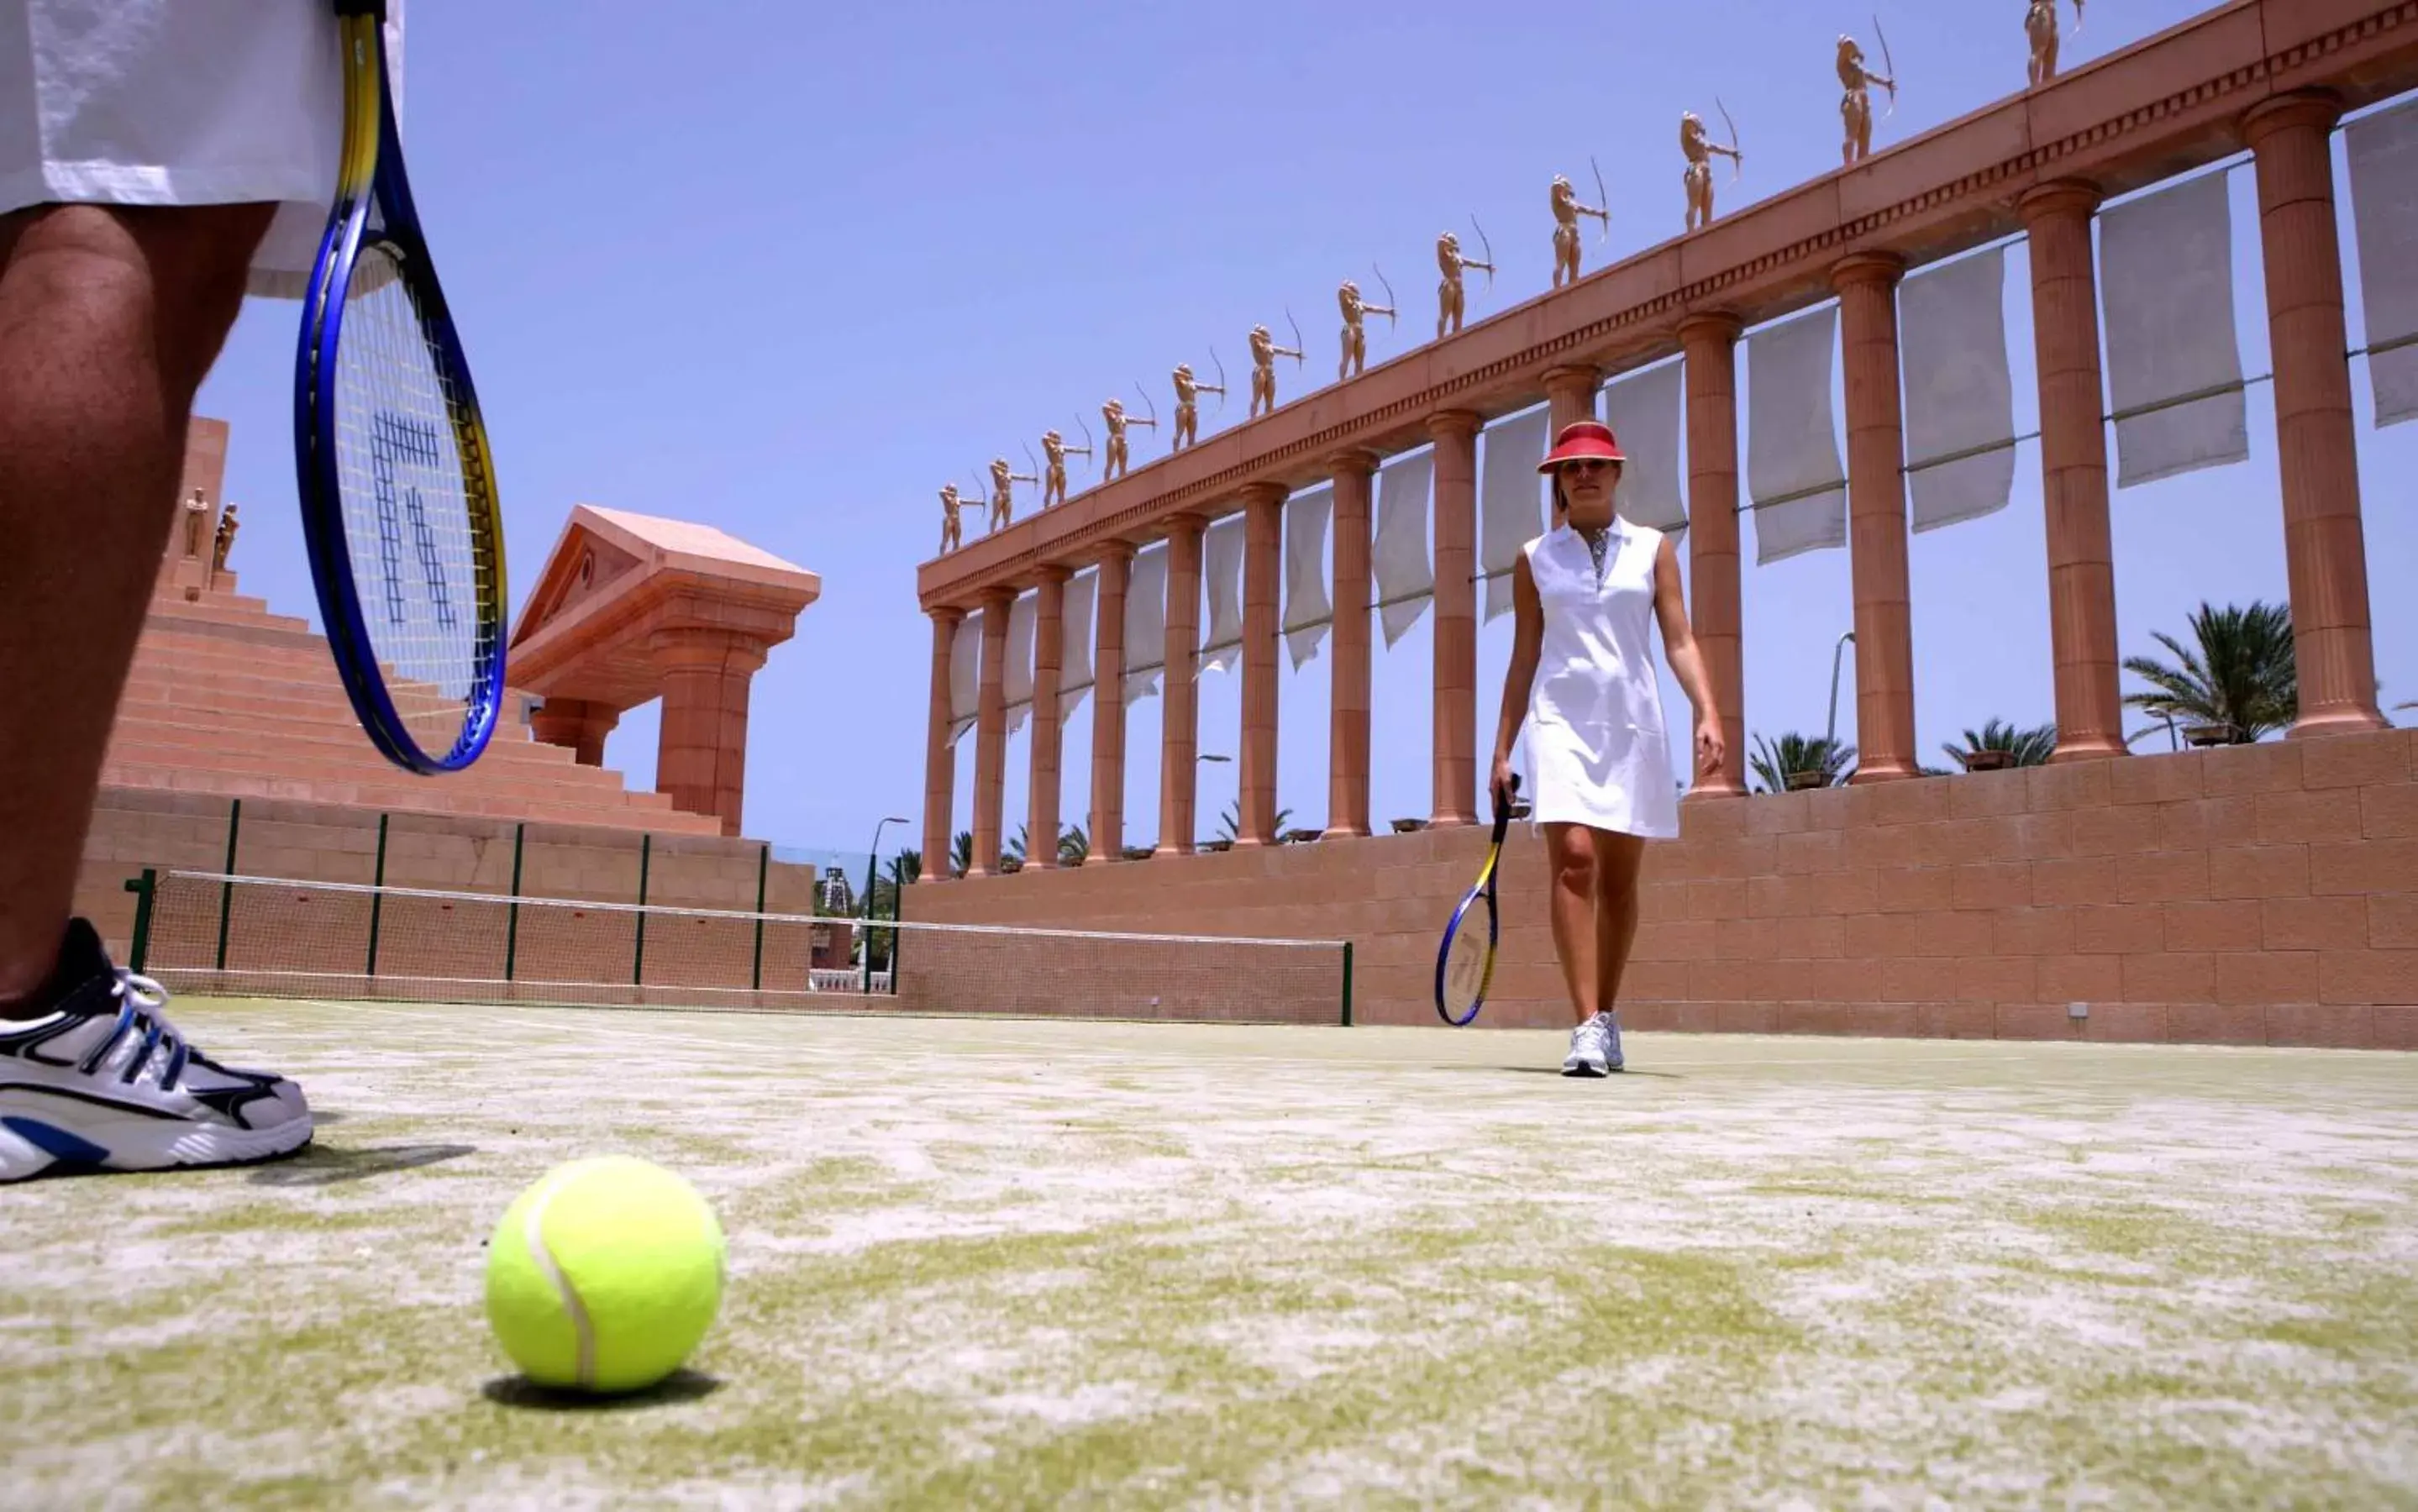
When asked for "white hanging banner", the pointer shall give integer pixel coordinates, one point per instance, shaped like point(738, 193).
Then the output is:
point(2174, 371)
point(1959, 397)
point(1642, 410)
point(1794, 474)
point(1145, 622)
point(1075, 646)
point(2383, 153)
point(1399, 552)
point(1307, 611)
point(1017, 682)
point(965, 675)
point(1221, 557)
point(1511, 502)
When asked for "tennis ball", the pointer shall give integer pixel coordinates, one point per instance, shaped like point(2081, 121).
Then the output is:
point(603, 1276)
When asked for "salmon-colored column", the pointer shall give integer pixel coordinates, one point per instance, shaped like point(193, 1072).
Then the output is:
point(2074, 470)
point(2325, 549)
point(701, 747)
point(1453, 741)
point(1179, 744)
point(940, 755)
point(1107, 837)
point(1263, 559)
point(991, 732)
point(1570, 394)
point(1711, 342)
point(575, 723)
point(1347, 736)
point(1049, 655)
point(1876, 525)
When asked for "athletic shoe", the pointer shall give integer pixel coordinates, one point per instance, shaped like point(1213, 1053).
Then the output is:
point(1594, 1048)
point(103, 1082)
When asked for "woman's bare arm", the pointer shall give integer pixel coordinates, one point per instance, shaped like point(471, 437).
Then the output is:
point(1527, 637)
point(1686, 658)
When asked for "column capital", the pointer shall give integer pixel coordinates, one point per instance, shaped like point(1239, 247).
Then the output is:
point(1050, 572)
point(999, 598)
point(1448, 422)
point(1879, 269)
point(1190, 522)
point(947, 616)
point(1353, 459)
point(2315, 109)
point(2059, 197)
point(690, 645)
point(1264, 494)
point(1710, 326)
point(1588, 372)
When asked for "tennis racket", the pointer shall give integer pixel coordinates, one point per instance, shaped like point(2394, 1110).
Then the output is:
point(399, 508)
point(1465, 964)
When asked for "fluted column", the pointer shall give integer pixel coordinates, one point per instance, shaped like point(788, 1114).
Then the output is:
point(1570, 394)
point(1347, 738)
point(701, 746)
point(991, 732)
point(1711, 342)
point(1867, 286)
point(2074, 470)
point(1453, 741)
point(1262, 560)
point(1049, 656)
point(2325, 549)
point(1107, 838)
point(939, 753)
point(1179, 744)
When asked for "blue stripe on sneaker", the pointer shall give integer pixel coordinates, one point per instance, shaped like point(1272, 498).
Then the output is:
point(55, 1142)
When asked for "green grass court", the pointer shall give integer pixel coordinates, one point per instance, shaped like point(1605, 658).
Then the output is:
point(1029, 1264)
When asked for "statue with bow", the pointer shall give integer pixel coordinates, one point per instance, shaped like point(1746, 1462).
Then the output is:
point(1450, 262)
point(1264, 352)
point(1112, 464)
point(1004, 480)
point(1189, 389)
point(1856, 105)
point(1356, 308)
point(1054, 447)
point(1566, 210)
point(2040, 27)
point(1700, 150)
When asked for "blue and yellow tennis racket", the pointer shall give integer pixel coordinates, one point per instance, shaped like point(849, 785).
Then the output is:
point(398, 490)
point(1465, 964)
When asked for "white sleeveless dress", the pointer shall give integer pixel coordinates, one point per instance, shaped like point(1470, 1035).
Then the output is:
point(1598, 752)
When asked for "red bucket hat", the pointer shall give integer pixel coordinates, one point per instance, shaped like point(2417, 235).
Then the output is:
point(1581, 439)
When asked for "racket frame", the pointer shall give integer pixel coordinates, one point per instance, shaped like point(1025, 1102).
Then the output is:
point(370, 173)
point(1483, 889)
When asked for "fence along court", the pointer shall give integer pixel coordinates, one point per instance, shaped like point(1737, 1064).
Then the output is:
point(224, 935)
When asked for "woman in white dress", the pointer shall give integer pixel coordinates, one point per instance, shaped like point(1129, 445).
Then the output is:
point(1587, 595)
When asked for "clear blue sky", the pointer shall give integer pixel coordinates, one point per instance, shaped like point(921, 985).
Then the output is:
point(785, 269)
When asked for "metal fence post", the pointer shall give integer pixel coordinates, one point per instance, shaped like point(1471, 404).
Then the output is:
point(763, 865)
point(513, 917)
point(1347, 984)
point(226, 889)
point(377, 896)
point(142, 887)
point(638, 956)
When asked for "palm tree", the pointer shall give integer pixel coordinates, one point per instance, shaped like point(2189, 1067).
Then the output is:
point(907, 868)
point(2020, 747)
point(1230, 823)
point(1011, 859)
point(1074, 847)
point(2239, 681)
point(961, 853)
point(1814, 756)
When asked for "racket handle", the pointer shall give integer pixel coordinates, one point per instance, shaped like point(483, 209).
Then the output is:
point(362, 8)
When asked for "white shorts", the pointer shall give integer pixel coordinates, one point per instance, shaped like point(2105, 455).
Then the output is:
point(181, 102)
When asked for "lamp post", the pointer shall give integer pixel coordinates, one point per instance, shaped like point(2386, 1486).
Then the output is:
point(872, 858)
point(1831, 737)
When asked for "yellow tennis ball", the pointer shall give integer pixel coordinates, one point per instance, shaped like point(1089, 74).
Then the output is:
point(603, 1276)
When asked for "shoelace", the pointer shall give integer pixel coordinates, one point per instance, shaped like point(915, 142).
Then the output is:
point(139, 1002)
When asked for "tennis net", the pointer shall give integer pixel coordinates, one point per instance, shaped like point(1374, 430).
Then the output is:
point(213, 934)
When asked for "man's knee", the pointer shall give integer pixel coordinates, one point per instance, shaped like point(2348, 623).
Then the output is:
point(181, 268)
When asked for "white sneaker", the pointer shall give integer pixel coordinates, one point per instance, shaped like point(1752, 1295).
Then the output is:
point(1595, 1048)
point(103, 1082)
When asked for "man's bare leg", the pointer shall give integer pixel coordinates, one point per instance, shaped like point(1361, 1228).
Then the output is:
point(109, 319)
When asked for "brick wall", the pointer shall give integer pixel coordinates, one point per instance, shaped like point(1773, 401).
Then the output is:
point(2258, 894)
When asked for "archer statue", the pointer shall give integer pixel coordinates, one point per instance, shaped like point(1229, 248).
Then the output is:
point(1003, 498)
point(1450, 262)
point(950, 502)
point(1189, 389)
point(1264, 352)
point(1566, 210)
point(1355, 307)
point(1856, 105)
point(1699, 149)
point(2040, 25)
point(1114, 464)
point(1054, 447)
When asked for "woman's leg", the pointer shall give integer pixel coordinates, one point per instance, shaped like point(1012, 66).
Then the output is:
point(1619, 858)
point(1570, 858)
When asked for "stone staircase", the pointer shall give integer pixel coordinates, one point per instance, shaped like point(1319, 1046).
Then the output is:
point(226, 699)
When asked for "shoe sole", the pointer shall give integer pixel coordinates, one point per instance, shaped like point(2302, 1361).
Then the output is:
point(1581, 1071)
point(129, 1145)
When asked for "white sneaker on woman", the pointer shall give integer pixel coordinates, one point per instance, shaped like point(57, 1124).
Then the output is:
point(100, 1081)
point(1595, 1047)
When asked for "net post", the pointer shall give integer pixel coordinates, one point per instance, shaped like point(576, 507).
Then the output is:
point(1347, 984)
point(865, 942)
point(763, 866)
point(898, 912)
point(226, 889)
point(513, 914)
point(142, 887)
point(638, 955)
point(378, 895)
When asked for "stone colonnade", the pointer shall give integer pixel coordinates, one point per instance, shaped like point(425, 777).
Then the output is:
point(2289, 137)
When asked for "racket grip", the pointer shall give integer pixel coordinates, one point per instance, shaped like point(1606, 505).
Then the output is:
point(362, 8)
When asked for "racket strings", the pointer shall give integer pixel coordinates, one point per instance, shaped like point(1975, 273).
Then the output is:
point(412, 498)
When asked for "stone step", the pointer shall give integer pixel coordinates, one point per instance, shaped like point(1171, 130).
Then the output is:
point(355, 760)
point(631, 811)
point(245, 735)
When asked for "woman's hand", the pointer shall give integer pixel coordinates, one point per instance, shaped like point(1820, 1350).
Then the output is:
point(1711, 750)
point(1499, 784)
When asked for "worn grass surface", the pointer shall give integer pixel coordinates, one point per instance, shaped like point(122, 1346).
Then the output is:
point(1046, 1264)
